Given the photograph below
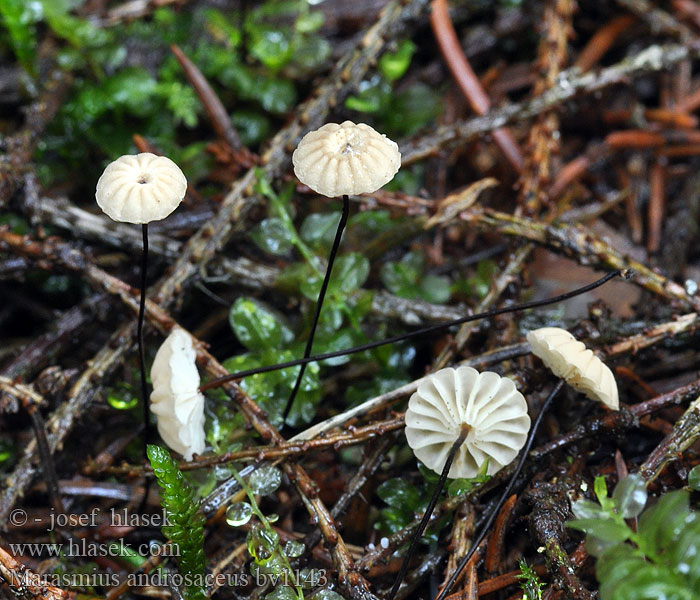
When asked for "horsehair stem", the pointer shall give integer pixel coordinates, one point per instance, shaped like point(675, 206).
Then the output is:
point(319, 303)
point(428, 511)
point(626, 273)
point(506, 492)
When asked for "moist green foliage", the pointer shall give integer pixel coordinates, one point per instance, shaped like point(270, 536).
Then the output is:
point(186, 528)
point(530, 582)
point(661, 559)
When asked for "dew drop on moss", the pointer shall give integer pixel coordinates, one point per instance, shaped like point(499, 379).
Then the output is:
point(238, 514)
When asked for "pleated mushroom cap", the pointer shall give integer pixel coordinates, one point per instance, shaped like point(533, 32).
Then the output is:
point(492, 407)
point(569, 359)
point(140, 188)
point(345, 158)
point(176, 400)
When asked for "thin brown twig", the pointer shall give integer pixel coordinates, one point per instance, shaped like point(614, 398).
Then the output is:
point(576, 242)
point(544, 139)
point(467, 80)
point(569, 84)
point(602, 41)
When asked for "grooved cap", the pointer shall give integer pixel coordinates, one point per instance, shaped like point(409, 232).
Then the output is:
point(569, 359)
point(140, 188)
point(176, 400)
point(345, 158)
point(490, 405)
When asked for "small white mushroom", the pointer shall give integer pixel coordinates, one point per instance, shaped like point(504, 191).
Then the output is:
point(569, 359)
point(344, 159)
point(489, 405)
point(140, 188)
point(176, 400)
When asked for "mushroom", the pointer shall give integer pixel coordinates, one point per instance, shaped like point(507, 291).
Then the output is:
point(176, 400)
point(140, 189)
point(569, 359)
point(341, 160)
point(488, 406)
point(457, 420)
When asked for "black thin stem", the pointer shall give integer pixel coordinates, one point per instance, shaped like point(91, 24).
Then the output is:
point(504, 496)
point(428, 511)
point(398, 338)
point(139, 337)
point(319, 303)
point(47, 464)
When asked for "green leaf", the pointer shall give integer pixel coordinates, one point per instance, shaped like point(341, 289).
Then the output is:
point(373, 96)
point(398, 493)
point(606, 529)
point(272, 47)
point(318, 229)
point(309, 22)
point(19, 16)
point(350, 271)
point(694, 478)
point(663, 521)
point(435, 288)
point(401, 277)
point(586, 509)
point(272, 235)
point(413, 108)
point(252, 127)
point(256, 326)
point(600, 489)
point(630, 496)
point(276, 95)
point(393, 65)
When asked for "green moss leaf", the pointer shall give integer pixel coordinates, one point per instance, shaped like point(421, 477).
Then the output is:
point(256, 326)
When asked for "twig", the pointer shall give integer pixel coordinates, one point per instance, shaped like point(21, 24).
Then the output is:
point(26, 584)
point(467, 80)
point(657, 19)
point(60, 212)
point(618, 421)
point(569, 84)
point(602, 41)
point(550, 510)
point(497, 287)
point(20, 147)
point(289, 449)
point(657, 202)
point(46, 347)
point(576, 242)
point(70, 258)
point(218, 115)
point(544, 139)
point(685, 432)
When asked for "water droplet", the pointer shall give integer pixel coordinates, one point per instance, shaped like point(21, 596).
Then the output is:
point(294, 549)
point(265, 480)
point(238, 514)
point(272, 518)
point(282, 592)
point(327, 595)
point(384, 542)
point(122, 401)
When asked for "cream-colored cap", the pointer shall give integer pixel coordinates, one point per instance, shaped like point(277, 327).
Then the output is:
point(140, 188)
point(492, 407)
point(569, 359)
point(176, 400)
point(345, 158)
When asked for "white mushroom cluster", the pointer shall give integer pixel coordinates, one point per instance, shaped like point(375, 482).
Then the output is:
point(345, 159)
point(569, 359)
point(489, 405)
point(140, 188)
point(176, 400)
